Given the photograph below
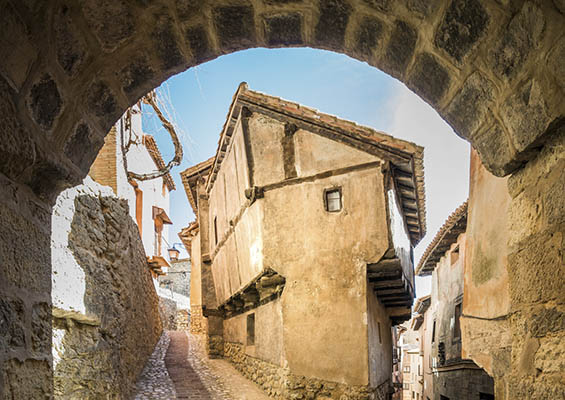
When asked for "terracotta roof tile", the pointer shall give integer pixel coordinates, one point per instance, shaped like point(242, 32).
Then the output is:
point(398, 149)
point(455, 224)
point(189, 178)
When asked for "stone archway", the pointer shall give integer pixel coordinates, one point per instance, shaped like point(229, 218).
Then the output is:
point(494, 72)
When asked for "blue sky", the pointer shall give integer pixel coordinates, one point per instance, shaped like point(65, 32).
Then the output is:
point(332, 83)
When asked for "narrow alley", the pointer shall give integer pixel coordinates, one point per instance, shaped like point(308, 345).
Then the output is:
point(180, 369)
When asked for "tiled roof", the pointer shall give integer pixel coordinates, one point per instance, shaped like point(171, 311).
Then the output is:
point(406, 157)
point(155, 154)
point(455, 224)
point(190, 177)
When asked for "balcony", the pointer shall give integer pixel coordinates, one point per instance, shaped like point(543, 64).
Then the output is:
point(393, 284)
point(266, 287)
point(156, 265)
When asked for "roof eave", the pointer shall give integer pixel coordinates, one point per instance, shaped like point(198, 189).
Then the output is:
point(398, 149)
point(190, 177)
point(454, 225)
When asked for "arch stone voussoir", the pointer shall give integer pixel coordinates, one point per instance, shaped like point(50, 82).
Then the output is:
point(473, 61)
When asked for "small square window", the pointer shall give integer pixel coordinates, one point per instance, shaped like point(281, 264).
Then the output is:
point(332, 199)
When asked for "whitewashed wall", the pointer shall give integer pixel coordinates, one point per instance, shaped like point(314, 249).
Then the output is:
point(140, 161)
point(68, 278)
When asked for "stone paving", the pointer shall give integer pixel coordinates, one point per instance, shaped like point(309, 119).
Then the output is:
point(155, 382)
point(180, 369)
point(187, 381)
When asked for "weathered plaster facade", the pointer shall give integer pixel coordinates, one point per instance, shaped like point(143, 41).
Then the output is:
point(276, 274)
point(513, 311)
point(410, 365)
point(454, 376)
point(416, 362)
point(491, 69)
point(422, 322)
point(191, 240)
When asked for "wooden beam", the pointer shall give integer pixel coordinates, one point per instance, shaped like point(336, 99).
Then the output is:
point(386, 292)
point(397, 284)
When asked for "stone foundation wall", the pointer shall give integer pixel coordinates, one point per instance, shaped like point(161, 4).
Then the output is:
point(280, 384)
point(168, 313)
point(198, 324)
point(177, 278)
point(183, 320)
point(215, 346)
point(105, 308)
point(173, 318)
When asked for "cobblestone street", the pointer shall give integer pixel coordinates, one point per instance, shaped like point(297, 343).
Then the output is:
point(179, 369)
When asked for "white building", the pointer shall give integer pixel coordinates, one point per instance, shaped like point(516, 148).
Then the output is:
point(148, 199)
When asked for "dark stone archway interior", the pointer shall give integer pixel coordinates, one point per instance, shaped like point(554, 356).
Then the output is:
point(494, 70)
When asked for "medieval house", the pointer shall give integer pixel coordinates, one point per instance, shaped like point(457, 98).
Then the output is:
point(454, 377)
point(191, 177)
point(397, 334)
point(416, 365)
point(128, 149)
point(411, 370)
point(303, 242)
point(422, 322)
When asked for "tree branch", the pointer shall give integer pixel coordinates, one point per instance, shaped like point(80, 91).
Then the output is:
point(149, 99)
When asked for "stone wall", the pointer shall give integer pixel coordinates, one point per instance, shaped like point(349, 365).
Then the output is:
point(177, 278)
point(198, 324)
point(462, 384)
point(105, 308)
point(25, 286)
point(536, 270)
point(183, 320)
point(173, 318)
point(280, 384)
point(168, 313)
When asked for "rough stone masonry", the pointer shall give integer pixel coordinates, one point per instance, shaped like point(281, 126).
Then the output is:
point(105, 308)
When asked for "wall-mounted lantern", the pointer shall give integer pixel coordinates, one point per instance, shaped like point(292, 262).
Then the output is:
point(173, 254)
